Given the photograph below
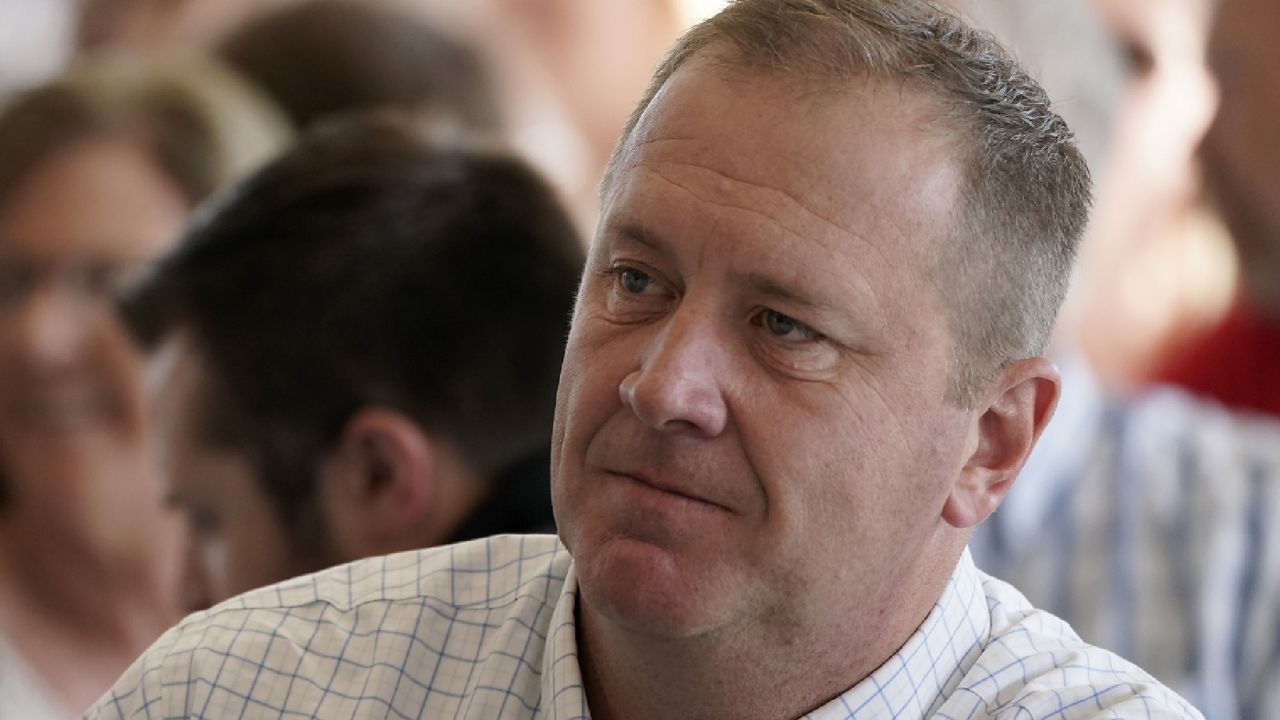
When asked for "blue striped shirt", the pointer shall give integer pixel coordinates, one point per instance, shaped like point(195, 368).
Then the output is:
point(486, 629)
point(1149, 523)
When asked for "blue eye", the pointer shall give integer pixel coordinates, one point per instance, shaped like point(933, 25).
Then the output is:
point(634, 281)
point(785, 327)
point(779, 324)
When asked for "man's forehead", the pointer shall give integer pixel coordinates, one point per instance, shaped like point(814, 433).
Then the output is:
point(875, 147)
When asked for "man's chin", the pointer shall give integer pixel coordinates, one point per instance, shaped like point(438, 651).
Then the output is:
point(651, 590)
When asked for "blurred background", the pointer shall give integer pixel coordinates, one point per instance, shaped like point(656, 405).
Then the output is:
point(1129, 75)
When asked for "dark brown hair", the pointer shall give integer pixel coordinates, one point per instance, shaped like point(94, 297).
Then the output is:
point(323, 58)
point(371, 266)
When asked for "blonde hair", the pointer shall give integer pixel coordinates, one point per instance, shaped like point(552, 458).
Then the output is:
point(205, 126)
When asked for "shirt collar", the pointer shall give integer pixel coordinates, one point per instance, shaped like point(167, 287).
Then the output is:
point(918, 679)
point(564, 696)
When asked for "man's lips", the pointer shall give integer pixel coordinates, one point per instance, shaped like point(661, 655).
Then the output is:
point(664, 486)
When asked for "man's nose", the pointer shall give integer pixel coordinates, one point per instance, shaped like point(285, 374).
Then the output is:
point(679, 384)
point(196, 593)
point(50, 325)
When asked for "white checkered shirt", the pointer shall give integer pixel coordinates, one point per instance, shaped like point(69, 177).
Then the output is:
point(486, 630)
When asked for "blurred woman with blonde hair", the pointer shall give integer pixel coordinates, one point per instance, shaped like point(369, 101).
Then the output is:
point(99, 171)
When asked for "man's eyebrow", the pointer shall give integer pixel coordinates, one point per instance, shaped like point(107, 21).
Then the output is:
point(638, 234)
point(175, 499)
point(769, 287)
point(760, 283)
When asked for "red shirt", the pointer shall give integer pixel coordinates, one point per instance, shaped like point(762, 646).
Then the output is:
point(1236, 363)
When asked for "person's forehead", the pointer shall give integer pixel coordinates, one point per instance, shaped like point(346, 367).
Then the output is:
point(852, 155)
point(102, 195)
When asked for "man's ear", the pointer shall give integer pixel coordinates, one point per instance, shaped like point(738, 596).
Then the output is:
point(378, 483)
point(1017, 408)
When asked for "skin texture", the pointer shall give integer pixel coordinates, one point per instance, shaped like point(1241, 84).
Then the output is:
point(753, 464)
point(87, 556)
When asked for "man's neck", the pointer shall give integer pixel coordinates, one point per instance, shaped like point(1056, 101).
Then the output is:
point(739, 675)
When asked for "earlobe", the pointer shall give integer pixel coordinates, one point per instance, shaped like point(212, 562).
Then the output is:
point(1022, 401)
point(380, 482)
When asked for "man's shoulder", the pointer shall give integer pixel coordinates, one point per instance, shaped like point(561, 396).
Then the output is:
point(1034, 665)
point(485, 573)
point(410, 630)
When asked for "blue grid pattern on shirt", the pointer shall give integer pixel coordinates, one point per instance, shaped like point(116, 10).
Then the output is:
point(1009, 661)
point(414, 635)
point(486, 630)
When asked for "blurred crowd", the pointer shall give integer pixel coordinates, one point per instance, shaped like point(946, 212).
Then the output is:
point(193, 401)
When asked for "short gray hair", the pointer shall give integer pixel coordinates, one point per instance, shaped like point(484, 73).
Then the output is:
point(1003, 271)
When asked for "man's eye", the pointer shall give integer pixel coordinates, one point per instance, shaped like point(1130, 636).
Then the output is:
point(204, 522)
point(98, 279)
point(785, 326)
point(15, 283)
point(634, 281)
point(779, 324)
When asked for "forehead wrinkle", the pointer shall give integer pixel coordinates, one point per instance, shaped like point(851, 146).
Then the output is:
point(789, 199)
point(766, 285)
point(866, 291)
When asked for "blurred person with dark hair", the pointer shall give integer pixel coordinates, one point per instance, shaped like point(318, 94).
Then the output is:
point(316, 58)
point(325, 57)
point(98, 172)
point(356, 352)
point(555, 77)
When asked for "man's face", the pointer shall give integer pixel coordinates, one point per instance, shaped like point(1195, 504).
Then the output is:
point(751, 425)
point(236, 541)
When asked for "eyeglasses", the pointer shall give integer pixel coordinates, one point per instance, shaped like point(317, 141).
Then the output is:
point(90, 280)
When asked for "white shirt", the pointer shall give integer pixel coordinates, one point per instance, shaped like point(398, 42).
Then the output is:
point(1152, 524)
point(486, 629)
point(22, 694)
